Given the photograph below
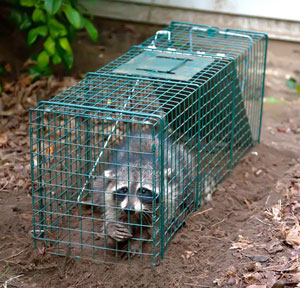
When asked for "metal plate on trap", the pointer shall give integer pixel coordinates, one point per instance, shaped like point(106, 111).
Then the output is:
point(165, 65)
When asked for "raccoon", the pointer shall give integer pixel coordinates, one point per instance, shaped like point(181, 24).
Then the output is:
point(128, 194)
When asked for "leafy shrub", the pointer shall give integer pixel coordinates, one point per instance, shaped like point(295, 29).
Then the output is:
point(55, 22)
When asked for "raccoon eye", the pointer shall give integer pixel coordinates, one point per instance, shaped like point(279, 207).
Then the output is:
point(145, 191)
point(123, 190)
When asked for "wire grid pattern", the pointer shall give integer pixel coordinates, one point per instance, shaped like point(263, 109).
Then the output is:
point(246, 50)
point(199, 129)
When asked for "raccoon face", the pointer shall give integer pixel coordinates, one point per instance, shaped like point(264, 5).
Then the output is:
point(135, 201)
point(132, 189)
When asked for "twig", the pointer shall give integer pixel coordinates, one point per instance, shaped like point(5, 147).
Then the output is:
point(196, 276)
point(2, 188)
point(201, 212)
point(7, 112)
point(262, 221)
point(12, 256)
point(81, 281)
point(196, 285)
point(10, 279)
point(218, 222)
point(267, 200)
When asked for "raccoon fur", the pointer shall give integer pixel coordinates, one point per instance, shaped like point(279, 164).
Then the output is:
point(127, 192)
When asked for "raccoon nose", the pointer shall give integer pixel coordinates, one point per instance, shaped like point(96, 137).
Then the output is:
point(130, 209)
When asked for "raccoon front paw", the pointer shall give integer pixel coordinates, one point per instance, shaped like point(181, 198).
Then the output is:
point(135, 247)
point(118, 231)
point(133, 250)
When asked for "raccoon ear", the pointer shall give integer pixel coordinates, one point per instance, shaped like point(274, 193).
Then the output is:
point(168, 172)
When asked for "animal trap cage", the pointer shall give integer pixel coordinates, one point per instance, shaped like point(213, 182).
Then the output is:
point(122, 157)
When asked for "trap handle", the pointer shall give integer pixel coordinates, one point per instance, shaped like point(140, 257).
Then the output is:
point(212, 31)
point(160, 32)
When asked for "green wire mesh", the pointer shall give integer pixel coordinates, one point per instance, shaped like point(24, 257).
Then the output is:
point(142, 142)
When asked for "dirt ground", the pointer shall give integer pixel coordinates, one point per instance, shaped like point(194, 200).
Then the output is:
point(248, 236)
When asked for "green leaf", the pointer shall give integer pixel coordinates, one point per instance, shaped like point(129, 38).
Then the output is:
point(52, 6)
point(25, 22)
point(298, 89)
point(35, 70)
point(28, 3)
point(291, 83)
point(38, 15)
point(68, 60)
point(49, 45)
point(35, 32)
point(64, 43)
point(43, 59)
point(0, 88)
point(74, 17)
point(71, 33)
point(22, 19)
point(38, 71)
point(2, 70)
point(56, 59)
point(56, 28)
point(91, 29)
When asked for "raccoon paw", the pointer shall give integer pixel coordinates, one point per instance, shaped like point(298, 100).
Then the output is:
point(136, 248)
point(118, 231)
point(133, 250)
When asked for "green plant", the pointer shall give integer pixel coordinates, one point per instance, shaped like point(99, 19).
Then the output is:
point(292, 83)
point(55, 22)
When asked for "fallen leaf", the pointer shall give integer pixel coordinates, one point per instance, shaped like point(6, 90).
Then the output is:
point(284, 129)
point(292, 236)
point(188, 254)
point(42, 251)
point(50, 150)
point(293, 126)
point(280, 284)
point(253, 277)
point(251, 267)
point(3, 139)
point(295, 277)
point(28, 63)
point(26, 81)
point(274, 247)
point(231, 271)
point(274, 212)
point(26, 216)
point(8, 86)
point(243, 243)
point(295, 190)
point(8, 67)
